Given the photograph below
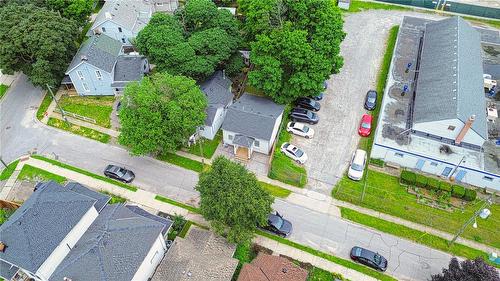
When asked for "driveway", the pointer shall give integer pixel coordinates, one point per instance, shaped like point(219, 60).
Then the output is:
point(336, 136)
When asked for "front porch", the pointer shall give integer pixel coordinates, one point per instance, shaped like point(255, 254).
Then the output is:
point(257, 163)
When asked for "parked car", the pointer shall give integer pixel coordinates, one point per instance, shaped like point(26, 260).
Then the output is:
point(278, 225)
point(318, 97)
point(300, 129)
point(371, 100)
point(365, 126)
point(308, 103)
point(294, 152)
point(369, 258)
point(304, 115)
point(119, 173)
point(357, 167)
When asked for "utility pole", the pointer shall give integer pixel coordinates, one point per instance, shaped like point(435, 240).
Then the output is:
point(57, 103)
point(485, 205)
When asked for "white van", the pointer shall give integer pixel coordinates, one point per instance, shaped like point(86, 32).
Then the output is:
point(357, 167)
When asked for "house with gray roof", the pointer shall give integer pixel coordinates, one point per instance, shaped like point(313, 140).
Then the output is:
point(252, 124)
point(101, 68)
point(217, 89)
point(72, 233)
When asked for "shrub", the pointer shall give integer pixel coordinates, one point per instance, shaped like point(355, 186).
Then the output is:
point(235, 65)
point(470, 195)
point(408, 177)
point(445, 186)
point(457, 191)
point(421, 181)
point(377, 162)
point(433, 183)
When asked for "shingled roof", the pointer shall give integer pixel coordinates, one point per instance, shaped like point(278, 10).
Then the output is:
point(133, 15)
point(450, 81)
point(129, 68)
point(271, 268)
point(35, 229)
point(100, 51)
point(217, 89)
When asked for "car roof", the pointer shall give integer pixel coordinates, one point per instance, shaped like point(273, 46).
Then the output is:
point(359, 156)
point(298, 125)
point(273, 219)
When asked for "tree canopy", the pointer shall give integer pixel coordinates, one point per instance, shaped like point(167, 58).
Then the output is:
point(78, 10)
point(193, 42)
point(36, 41)
point(468, 270)
point(232, 200)
point(296, 47)
point(160, 112)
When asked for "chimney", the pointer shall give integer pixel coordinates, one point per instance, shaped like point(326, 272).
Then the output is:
point(2, 247)
point(465, 129)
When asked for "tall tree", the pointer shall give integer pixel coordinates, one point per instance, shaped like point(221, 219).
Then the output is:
point(160, 113)
point(468, 270)
point(297, 45)
point(232, 200)
point(36, 41)
point(77, 10)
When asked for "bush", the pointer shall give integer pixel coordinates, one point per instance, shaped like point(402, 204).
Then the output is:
point(421, 181)
point(457, 191)
point(408, 177)
point(235, 65)
point(433, 183)
point(470, 195)
point(377, 162)
point(445, 186)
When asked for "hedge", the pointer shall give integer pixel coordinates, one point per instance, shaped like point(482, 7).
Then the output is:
point(377, 162)
point(408, 177)
point(446, 186)
point(433, 183)
point(421, 181)
point(470, 195)
point(458, 191)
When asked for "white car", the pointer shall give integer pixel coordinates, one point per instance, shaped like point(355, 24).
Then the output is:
point(300, 129)
point(357, 167)
point(294, 152)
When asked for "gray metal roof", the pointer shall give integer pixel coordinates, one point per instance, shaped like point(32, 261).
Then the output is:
point(129, 68)
point(102, 199)
point(217, 89)
point(450, 81)
point(252, 116)
point(100, 51)
point(33, 232)
point(112, 248)
point(133, 15)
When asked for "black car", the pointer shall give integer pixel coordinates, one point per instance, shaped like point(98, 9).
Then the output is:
point(304, 115)
point(119, 173)
point(308, 103)
point(318, 97)
point(278, 225)
point(369, 258)
point(371, 100)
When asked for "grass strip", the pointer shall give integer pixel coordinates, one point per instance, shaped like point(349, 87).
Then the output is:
point(178, 204)
point(334, 259)
point(7, 172)
point(84, 172)
point(181, 161)
point(115, 199)
point(420, 237)
point(47, 99)
point(185, 229)
point(3, 90)
point(79, 130)
point(275, 191)
point(36, 174)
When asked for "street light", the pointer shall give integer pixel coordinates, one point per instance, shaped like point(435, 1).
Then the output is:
point(482, 212)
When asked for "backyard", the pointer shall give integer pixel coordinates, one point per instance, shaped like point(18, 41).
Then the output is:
point(385, 194)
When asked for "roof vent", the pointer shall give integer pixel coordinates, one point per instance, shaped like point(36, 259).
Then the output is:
point(67, 279)
point(2, 247)
point(108, 15)
point(84, 58)
point(284, 270)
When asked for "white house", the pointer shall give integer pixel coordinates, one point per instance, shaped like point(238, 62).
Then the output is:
point(217, 88)
point(72, 233)
point(251, 124)
point(439, 125)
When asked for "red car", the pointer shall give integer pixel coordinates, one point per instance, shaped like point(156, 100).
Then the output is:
point(365, 127)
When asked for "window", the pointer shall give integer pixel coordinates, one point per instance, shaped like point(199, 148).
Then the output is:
point(123, 40)
point(119, 29)
point(399, 154)
point(80, 75)
point(256, 143)
point(230, 137)
point(103, 29)
point(487, 178)
point(451, 128)
point(85, 87)
point(420, 164)
point(98, 74)
point(434, 164)
point(446, 172)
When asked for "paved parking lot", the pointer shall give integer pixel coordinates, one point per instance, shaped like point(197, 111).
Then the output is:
point(336, 137)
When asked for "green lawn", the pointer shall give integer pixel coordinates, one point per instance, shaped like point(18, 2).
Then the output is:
point(178, 204)
point(275, 191)
point(7, 172)
point(3, 90)
point(383, 193)
point(181, 161)
point(207, 146)
point(87, 173)
point(424, 238)
point(47, 99)
point(31, 173)
point(79, 130)
point(114, 198)
point(97, 108)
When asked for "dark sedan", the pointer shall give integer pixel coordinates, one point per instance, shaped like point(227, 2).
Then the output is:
point(278, 225)
point(318, 97)
point(369, 258)
point(119, 173)
point(308, 103)
point(371, 100)
point(304, 115)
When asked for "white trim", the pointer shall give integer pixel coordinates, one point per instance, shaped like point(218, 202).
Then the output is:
point(98, 74)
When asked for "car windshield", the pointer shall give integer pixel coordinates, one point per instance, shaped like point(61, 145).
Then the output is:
point(377, 259)
point(305, 129)
point(298, 152)
point(371, 99)
point(278, 222)
point(357, 167)
point(310, 114)
point(365, 125)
